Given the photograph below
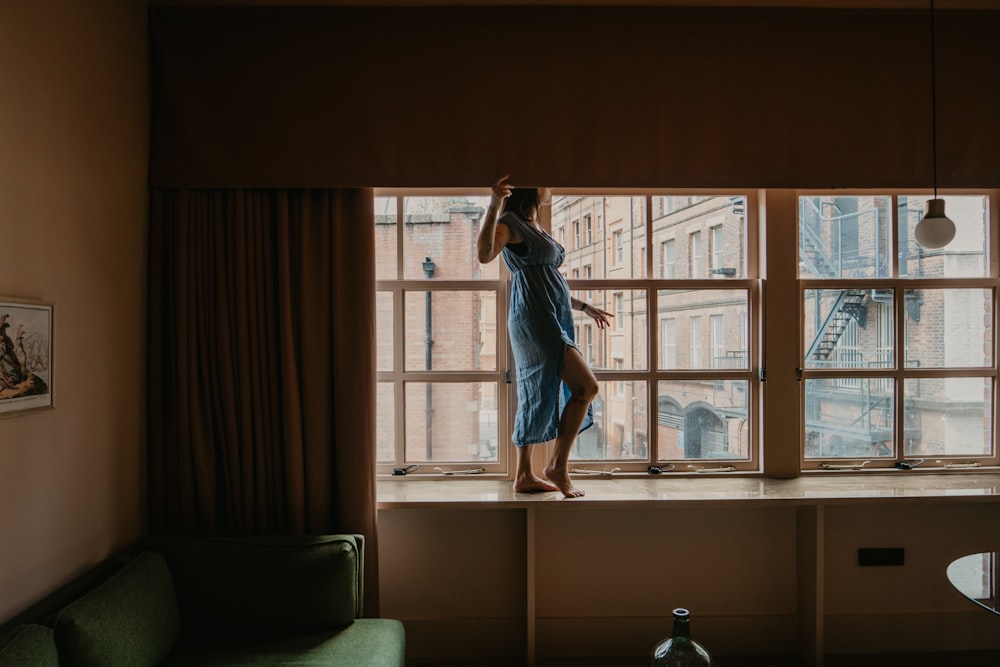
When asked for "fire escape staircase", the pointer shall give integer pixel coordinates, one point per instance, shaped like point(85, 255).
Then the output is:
point(850, 305)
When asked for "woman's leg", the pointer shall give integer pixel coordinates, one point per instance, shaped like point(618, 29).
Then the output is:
point(583, 388)
point(525, 480)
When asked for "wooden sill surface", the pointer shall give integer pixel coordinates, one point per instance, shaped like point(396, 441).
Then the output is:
point(485, 492)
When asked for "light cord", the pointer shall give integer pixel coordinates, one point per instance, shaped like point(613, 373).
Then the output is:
point(933, 103)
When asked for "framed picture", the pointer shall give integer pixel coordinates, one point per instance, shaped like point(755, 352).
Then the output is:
point(25, 356)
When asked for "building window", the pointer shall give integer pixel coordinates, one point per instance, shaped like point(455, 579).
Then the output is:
point(717, 341)
point(695, 258)
point(668, 259)
point(668, 340)
point(717, 247)
point(588, 343)
point(694, 356)
point(576, 234)
point(587, 231)
point(619, 246)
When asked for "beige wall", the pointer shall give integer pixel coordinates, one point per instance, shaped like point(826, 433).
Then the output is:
point(73, 205)
point(759, 578)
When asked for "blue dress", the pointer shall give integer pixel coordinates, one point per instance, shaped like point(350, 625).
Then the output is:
point(540, 326)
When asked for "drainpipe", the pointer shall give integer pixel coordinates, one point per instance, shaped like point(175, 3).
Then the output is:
point(428, 267)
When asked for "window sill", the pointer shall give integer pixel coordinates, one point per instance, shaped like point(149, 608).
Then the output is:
point(604, 493)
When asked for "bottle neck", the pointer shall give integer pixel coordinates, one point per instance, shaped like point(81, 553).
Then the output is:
point(682, 628)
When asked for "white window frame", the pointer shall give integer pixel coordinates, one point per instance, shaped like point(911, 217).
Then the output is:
point(873, 375)
point(782, 348)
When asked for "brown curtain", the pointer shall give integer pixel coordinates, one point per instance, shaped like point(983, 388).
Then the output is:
point(261, 366)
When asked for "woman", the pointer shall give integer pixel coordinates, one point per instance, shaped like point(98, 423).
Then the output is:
point(554, 384)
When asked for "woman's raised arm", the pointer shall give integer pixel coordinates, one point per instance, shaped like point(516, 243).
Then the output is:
point(493, 237)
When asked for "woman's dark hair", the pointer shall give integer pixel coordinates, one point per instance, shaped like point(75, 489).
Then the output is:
point(523, 201)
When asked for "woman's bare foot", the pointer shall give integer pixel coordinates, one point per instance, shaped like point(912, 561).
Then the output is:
point(533, 485)
point(560, 477)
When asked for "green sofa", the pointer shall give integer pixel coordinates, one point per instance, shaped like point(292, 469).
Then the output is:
point(213, 601)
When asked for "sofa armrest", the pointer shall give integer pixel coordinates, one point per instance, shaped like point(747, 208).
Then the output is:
point(281, 585)
point(29, 644)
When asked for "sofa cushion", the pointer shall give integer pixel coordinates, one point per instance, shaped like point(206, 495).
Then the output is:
point(130, 619)
point(273, 586)
point(30, 644)
point(371, 642)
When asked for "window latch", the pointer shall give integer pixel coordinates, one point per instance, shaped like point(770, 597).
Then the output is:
point(506, 376)
point(962, 464)
point(467, 471)
point(712, 469)
point(854, 465)
point(587, 471)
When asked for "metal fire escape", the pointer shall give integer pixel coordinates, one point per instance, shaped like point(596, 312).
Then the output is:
point(873, 424)
point(850, 305)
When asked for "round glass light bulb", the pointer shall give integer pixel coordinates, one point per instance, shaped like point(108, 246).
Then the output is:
point(935, 229)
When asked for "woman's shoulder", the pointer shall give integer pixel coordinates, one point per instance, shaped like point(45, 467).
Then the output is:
point(514, 223)
point(510, 218)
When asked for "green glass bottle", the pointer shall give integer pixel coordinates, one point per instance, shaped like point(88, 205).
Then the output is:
point(679, 650)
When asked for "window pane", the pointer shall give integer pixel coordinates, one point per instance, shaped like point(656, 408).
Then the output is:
point(620, 430)
point(439, 238)
point(849, 418)
point(702, 329)
point(602, 234)
point(451, 421)
point(844, 236)
point(446, 330)
point(702, 419)
point(383, 330)
point(624, 340)
point(848, 328)
point(385, 238)
point(699, 237)
point(949, 328)
point(385, 425)
point(965, 256)
point(948, 417)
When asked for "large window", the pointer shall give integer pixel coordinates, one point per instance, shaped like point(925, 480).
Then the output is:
point(442, 358)
point(898, 342)
point(896, 366)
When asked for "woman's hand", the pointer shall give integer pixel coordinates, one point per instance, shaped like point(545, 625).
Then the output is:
point(502, 189)
point(598, 315)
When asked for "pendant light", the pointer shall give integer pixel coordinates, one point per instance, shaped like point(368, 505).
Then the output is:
point(935, 229)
